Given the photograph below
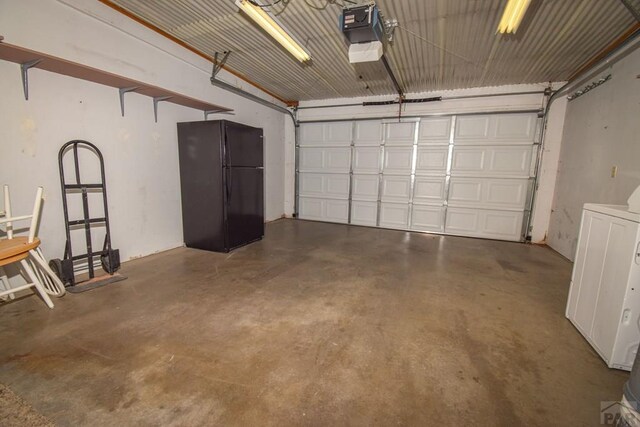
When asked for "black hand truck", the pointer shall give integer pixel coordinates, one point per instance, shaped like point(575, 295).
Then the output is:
point(109, 257)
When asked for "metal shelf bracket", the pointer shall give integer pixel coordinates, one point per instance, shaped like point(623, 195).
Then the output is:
point(121, 92)
point(207, 112)
point(24, 68)
point(157, 99)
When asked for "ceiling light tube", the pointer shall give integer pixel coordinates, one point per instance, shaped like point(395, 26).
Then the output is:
point(512, 16)
point(275, 30)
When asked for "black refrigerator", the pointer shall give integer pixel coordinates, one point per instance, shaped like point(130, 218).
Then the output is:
point(222, 184)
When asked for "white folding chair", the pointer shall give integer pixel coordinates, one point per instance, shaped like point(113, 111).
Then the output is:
point(4, 281)
point(18, 249)
point(51, 282)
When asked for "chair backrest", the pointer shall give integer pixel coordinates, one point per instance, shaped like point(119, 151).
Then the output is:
point(7, 211)
point(9, 219)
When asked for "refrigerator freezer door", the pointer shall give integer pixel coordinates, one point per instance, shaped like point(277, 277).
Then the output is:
point(245, 205)
point(243, 145)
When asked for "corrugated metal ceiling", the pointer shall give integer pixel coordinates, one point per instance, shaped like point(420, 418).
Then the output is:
point(439, 44)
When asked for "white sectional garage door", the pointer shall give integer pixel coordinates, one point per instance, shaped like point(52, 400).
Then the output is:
point(466, 175)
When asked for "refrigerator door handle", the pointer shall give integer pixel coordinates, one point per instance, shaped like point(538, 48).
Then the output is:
point(227, 165)
point(227, 183)
point(227, 153)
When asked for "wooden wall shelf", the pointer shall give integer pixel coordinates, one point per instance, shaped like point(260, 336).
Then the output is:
point(32, 59)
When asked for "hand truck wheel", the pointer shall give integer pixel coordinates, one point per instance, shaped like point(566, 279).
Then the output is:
point(56, 266)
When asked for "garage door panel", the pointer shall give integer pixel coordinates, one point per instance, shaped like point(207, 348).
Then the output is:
point(434, 130)
point(324, 185)
point(317, 159)
point(311, 159)
point(507, 193)
point(494, 224)
point(324, 209)
point(488, 193)
point(462, 221)
point(515, 127)
point(513, 161)
point(402, 133)
point(310, 184)
point(465, 191)
point(472, 128)
point(429, 189)
point(365, 187)
point(468, 160)
point(364, 213)
point(311, 208)
point(369, 132)
point(502, 224)
point(396, 188)
point(432, 160)
point(507, 129)
point(337, 186)
point(427, 218)
point(338, 133)
point(312, 134)
point(394, 215)
point(366, 159)
point(326, 134)
point(337, 210)
point(338, 159)
point(398, 160)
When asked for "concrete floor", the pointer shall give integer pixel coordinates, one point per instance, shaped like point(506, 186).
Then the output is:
point(318, 324)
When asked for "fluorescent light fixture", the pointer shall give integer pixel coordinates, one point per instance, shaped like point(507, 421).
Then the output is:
point(512, 16)
point(275, 30)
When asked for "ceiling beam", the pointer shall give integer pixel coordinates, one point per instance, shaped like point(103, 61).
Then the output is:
point(176, 40)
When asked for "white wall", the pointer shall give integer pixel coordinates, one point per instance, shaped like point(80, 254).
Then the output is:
point(601, 130)
point(141, 156)
point(477, 103)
